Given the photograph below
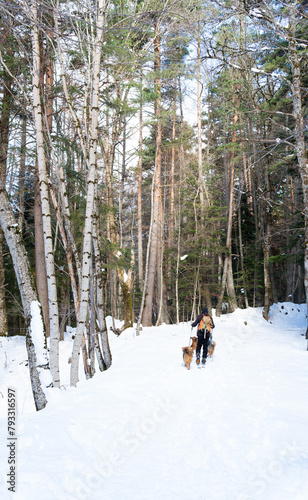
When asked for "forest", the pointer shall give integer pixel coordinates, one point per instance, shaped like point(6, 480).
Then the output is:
point(153, 160)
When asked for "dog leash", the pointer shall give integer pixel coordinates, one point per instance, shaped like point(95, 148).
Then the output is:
point(190, 337)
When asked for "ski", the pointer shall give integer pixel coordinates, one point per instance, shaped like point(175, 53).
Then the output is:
point(201, 366)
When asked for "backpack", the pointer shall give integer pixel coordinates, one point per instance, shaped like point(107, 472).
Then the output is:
point(205, 323)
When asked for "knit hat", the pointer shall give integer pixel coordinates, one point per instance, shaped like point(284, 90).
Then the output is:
point(204, 310)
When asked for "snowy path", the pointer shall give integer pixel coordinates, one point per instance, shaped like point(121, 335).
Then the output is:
point(148, 429)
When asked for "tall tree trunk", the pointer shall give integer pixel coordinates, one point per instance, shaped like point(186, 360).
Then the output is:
point(106, 360)
point(4, 327)
point(68, 252)
point(177, 304)
point(301, 149)
point(111, 226)
point(42, 169)
point(4, 141)
point(196, 281)
point(227, 278)
point(125, 277)
point(126, 282)
point(199, 108)
point(45, 69)
point(267, 279)
point(22, 172)
point(140, 245)
point(35, 341)
point(40, 262)
point(157, 194)
point(290, 264)
point(162, 306)
point(230, 281)
point(65, 209)
point(267, 248)
point(172, 170)
point(91, 182)
point(181, 174)
point(122, 185)
point(242, 257)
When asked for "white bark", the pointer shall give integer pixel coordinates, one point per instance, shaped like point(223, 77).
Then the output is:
point(43, 180)
point(91, 181)
point(35, 341)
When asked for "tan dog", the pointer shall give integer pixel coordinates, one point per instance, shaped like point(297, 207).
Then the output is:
point(211, 348)
point(188, 353)
point(194, 343)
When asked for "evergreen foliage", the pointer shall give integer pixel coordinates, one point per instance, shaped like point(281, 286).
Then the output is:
point(248, 128)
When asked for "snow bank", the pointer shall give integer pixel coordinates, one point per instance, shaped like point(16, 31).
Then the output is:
point(149, 429)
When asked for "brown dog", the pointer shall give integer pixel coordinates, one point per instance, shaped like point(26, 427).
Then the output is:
point(188, 353)
point(194, 343)
point(211, 348)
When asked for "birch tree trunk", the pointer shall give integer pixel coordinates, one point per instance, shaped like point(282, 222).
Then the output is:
point(42, 170)
point(91, 182)
point(35, 340)
point(40, 261)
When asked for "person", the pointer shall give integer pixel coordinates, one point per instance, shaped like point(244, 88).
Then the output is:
point(205, 324)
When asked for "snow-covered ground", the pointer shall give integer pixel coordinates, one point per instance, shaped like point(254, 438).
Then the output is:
point(148, 429)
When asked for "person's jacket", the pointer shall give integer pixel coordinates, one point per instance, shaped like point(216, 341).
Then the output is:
point(199, 318)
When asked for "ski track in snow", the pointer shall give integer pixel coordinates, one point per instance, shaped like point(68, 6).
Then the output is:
point(149, 429)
